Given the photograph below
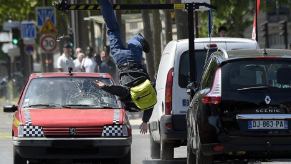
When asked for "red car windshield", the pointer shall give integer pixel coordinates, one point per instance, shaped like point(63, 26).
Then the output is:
point(68, 92)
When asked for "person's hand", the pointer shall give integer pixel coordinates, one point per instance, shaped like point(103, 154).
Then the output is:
point(99, 84)
point(143, 128)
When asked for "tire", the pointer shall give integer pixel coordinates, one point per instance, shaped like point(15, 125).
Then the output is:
point(127, 158)
point(200, 157)
point(17, 159)
point(155, 148)
point(167, 151)
point(191, 158)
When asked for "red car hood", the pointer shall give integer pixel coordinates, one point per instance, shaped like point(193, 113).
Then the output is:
point(73, 117)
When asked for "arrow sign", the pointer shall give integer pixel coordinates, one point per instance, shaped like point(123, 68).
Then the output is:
point(44, 13)
point(28, 30)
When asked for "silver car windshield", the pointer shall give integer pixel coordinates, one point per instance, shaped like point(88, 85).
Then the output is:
point(68, 92)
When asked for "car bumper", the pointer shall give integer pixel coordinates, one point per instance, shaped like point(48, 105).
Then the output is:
point(251, 145)
point(72, 148)
point(173, 128)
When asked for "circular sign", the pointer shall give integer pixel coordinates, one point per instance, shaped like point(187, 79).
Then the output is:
point(48, 43)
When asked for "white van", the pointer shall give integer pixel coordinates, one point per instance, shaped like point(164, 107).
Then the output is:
point(168, 124)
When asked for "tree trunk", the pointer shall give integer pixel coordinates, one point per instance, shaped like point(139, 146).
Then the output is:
point(148, 36)
point(168, 24)
point(83, 27)
point(181, 23)
point(157, 29)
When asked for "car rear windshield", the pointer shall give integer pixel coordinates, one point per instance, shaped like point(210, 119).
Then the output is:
point(256, 74)
point(200, 56)
point(68, 92)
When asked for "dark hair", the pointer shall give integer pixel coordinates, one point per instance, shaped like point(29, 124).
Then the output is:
point(67, 45)
point(222, 28)
point(90, 51)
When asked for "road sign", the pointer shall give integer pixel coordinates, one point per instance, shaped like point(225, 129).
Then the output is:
point(6, 47)
point(48, 43)
point(7, 26)
point(14, 52)
point(5, 37)
point(48, 27)
point(29, 49)
point(44, 13)
point(28, 30)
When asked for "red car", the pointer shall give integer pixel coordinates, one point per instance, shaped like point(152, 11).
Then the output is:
point(65, 116)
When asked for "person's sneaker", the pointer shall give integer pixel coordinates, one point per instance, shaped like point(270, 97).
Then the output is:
point(145, 44)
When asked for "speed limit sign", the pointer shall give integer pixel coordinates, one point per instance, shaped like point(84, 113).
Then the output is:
point(48, 43)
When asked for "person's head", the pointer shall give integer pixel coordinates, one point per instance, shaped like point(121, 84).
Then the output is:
point(80, 56)
point(104, 56)
point(222, 31)
point(90, 51)
point(67, 49)
point(78, 50)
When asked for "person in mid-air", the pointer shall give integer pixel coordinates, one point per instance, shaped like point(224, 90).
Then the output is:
point(135, 89)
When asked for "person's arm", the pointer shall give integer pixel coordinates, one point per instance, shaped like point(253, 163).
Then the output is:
point(118, 90)
point(145, 119)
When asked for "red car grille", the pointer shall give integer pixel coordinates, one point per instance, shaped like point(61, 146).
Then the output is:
point(77, 132)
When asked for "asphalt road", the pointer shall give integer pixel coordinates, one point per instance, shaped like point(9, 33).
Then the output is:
point(140, 145)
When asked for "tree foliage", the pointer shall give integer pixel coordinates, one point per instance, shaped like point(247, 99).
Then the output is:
point(17, 10)
point(236, 16)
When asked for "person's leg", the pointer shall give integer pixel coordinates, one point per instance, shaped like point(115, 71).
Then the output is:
point(112, 25)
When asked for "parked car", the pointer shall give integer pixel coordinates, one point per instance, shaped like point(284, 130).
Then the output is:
point(242, 107)
point(65, 116)
point(168, 123)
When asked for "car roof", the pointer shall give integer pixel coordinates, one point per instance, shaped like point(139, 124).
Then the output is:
point(66, 74)
point(218, 39)
point(284, 53)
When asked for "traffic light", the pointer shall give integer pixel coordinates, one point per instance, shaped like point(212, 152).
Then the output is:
point(265, 33)
point(16, 36)
point(284, 32)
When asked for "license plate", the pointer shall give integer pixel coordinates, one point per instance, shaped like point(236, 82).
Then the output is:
point(267, 124)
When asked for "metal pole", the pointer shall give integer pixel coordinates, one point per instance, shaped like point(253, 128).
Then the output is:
point(190, 8)
point(256, 17)
point(196, 24)
point(209, 22)
point(74, 26)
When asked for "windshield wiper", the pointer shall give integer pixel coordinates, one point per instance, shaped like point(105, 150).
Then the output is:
point(87, 106)
point(41, 105)
point(256, 87)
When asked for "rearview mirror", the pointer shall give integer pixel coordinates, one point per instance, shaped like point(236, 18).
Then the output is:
point(10, 108)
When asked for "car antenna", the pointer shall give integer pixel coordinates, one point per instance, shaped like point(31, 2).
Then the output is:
point(70, 71)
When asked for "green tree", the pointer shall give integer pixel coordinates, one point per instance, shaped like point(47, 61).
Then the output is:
point(17, 10)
